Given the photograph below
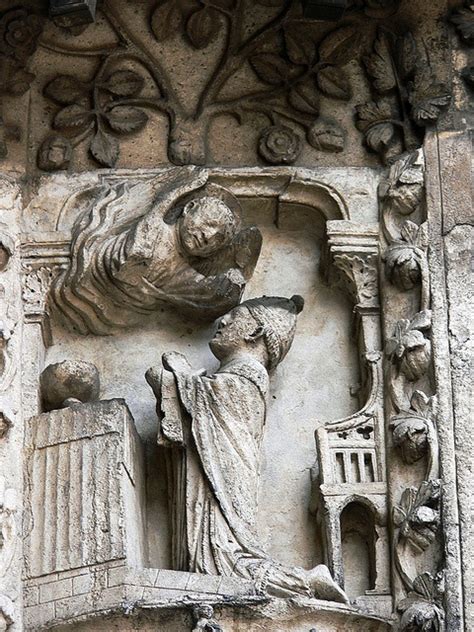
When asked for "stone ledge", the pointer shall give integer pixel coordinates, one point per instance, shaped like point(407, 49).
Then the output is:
point(85, 592)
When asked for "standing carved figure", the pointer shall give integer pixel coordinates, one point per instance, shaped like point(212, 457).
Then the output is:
point(213, 425)
point(133, 250)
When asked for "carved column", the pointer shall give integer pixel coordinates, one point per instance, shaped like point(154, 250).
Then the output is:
point(449, 210)
point(351, 451)
point(11, 415)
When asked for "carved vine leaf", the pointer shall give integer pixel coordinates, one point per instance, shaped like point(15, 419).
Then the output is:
point(411, 428)
point(422, 609)
point(408, 349)
point(418, 516)
point(85, 115)
point(409, 97)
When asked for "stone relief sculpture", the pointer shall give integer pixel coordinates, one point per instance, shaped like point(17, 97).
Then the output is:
point(133, 250)
point(213, 425)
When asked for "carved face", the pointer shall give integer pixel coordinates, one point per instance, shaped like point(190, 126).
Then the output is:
point(236, 330)
point(206, 225)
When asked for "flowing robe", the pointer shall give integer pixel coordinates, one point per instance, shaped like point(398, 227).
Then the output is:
point(215, 479)
point(121, 270)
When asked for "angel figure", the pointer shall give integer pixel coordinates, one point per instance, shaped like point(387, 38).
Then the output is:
point(213, 426)
point(133, 250)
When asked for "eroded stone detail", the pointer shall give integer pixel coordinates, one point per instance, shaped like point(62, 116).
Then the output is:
point(408, 355)
point(219, 420)
point(84, 487)
point(138, 249)
point(69, 382)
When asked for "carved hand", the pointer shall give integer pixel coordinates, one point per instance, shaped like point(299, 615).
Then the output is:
point(230, 284)
point(176, 362)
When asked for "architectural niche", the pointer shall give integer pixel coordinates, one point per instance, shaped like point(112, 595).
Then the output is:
point(234, 316)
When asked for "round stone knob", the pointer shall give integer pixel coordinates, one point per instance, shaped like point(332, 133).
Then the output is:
point(69, 382)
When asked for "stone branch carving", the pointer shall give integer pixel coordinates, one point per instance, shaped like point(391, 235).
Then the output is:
point(213, 426)
point(294, 66)
point(412, 413)
point(134, 249)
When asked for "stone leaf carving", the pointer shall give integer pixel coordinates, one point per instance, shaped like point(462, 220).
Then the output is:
point(463, 19)
point(214, 477)
point(301, 69)
point(408, 349)
point(135, 249)
point(417, 516)
point(405, 258)
point(409, 96)
point(422, 610)
point(36, 284)
point(19, 32)
point(362, 276)
point(413, 429)
point(402, 191)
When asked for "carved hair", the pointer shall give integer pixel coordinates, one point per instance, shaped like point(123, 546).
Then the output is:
point(277, 318)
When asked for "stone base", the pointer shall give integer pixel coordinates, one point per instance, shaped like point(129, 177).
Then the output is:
point(114, 596)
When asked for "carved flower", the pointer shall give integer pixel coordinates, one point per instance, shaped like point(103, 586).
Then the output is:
point(55, 153)
point(408, 348)
point(422, 610)
point(279, 144)
point(19, 32)
point(417, 516)
point(404, 256)
point(411, 427)
point(403, 190)
point(326, 136)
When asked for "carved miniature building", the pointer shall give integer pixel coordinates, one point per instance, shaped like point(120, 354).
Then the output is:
point(234, 315)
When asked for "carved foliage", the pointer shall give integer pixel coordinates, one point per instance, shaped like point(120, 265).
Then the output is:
point(19, 32)
point(36, 283)
point(361, 277)
point(408, 348)
point(422, 609)
point(413, 428)
point(417, 516)
point(294, 75)
point(408, 96)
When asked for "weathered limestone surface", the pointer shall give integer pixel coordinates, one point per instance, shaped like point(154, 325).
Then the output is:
point(172, 173)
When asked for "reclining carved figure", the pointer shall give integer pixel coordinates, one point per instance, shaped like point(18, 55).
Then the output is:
point(133, 250)
point(212, 427)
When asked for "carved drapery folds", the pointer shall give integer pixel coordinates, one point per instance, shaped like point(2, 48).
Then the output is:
point(218, 420)
point(135, 249)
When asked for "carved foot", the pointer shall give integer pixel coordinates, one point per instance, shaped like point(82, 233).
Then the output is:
point(324, 586)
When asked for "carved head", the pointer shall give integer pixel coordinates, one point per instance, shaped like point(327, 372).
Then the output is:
point(206, 225)
point(265, 324)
